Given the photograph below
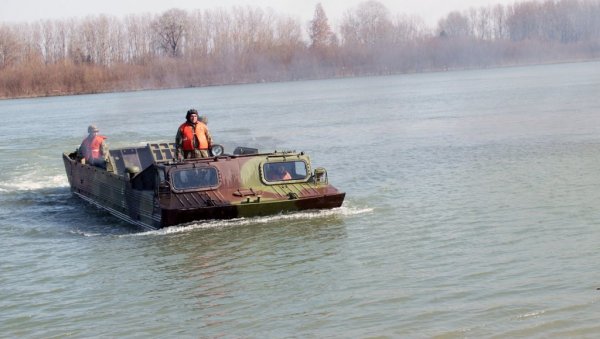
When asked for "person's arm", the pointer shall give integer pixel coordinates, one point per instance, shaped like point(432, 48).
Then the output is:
point(104, 150)
point(208, 137)
point(80, 152)
point(178, 144)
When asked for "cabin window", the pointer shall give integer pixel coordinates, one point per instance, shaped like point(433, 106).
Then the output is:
point(284, 171)
point(194, 178)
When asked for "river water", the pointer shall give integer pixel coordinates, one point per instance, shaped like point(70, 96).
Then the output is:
point(471, 210)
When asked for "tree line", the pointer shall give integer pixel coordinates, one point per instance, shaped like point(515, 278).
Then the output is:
point(179, 48)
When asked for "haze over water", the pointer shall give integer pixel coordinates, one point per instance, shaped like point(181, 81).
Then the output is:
point(471, 210)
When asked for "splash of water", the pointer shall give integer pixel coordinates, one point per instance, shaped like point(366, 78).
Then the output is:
point(33, 181)
point(239, 222)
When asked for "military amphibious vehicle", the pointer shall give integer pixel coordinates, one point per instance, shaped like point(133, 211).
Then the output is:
point(147, 186)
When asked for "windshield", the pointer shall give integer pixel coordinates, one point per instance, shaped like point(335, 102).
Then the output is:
point(194, 178)
point(284, 171)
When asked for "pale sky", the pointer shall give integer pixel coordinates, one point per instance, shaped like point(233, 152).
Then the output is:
point(431, 11)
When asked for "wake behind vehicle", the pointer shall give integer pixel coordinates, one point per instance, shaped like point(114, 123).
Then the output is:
point(148, 187)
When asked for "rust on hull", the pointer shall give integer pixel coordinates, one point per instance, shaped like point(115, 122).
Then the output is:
point(146, 187)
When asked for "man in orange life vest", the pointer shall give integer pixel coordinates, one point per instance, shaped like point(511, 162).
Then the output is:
point(93, 148)
point(193, 139)
point(280, 173)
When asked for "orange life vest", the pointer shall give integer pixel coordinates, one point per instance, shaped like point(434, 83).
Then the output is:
point(91, 147)
point(188, 132)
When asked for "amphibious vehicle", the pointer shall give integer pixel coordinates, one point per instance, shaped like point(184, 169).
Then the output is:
point(147, 186)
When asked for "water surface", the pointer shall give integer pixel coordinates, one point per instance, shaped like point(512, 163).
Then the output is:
point(471, 210)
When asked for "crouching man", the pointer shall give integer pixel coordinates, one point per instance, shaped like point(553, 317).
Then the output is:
point(93, 148)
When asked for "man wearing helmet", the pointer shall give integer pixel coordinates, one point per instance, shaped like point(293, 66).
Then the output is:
point(93, 148)
point(193, 139)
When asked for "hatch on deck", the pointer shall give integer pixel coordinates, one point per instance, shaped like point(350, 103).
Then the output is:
point(141, 157)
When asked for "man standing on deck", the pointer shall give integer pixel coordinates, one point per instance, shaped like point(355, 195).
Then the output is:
point(193, 139)
point(203, 119)
point(93, 148)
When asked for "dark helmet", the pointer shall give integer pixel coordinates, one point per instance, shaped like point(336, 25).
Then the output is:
point(190, 112)
point(92, 129)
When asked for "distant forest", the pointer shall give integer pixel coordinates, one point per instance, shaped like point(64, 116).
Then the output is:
point(179, 48)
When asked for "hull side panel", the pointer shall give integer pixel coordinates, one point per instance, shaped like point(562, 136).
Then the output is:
point(114, 194)
point(251, 209)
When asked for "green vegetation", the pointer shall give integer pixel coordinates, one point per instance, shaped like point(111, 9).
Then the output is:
point(178, 48)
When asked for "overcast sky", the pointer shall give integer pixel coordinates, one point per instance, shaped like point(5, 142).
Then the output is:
point(31, 10)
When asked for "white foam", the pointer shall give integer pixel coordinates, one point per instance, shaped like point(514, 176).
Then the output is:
point(531, 314)
point(85, 234)
point(240, 222)
point(33, 181)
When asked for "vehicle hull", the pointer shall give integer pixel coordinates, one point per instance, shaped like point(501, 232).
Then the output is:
point(238, 194)
point(177, 216)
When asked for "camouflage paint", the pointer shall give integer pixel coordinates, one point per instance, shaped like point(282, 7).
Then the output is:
point(146, 197)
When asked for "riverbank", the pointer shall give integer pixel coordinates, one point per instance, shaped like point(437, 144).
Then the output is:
point(143, 85)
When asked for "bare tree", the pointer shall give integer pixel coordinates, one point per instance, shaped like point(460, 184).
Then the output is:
point(48, 41)
point(28, 50)
point(498, 22)
point(221, 46)
point(169, 29)
point(94, 35)
point(288, 44)
point(407, 28)
point(349, 29)
point(138, 39)
point(198, 40)
point(454, 25)
point(9, 45)
point(117, 42)
point(56, 36)
point(523, 21)
point(319, 31)
point(374, 23)
point(482, 23)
